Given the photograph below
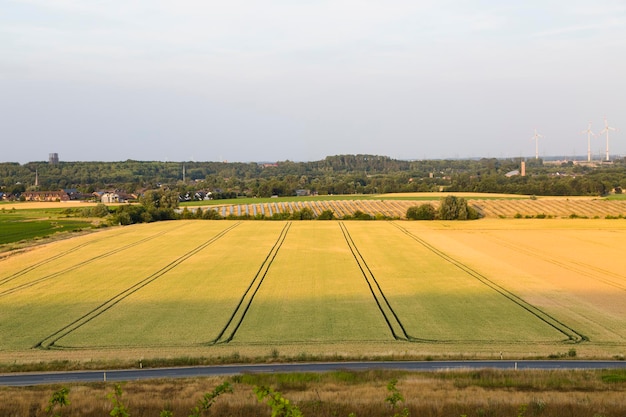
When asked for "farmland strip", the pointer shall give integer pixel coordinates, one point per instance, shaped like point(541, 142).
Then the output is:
point(81, 264)
point(571, 334)
point(390, 316)
point(51, 339)
point(248, 295)
point(582, 268)
point(50, 259)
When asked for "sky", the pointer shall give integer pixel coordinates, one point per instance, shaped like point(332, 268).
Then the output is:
point(275, 80)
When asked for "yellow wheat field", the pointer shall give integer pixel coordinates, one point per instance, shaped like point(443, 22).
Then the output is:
point(209, 287)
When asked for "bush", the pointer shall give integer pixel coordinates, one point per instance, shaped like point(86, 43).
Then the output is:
point(304, 214)
point(326, 215)
point(210, 214)
point(456, 208)
point(358, 215)
point(423, 212)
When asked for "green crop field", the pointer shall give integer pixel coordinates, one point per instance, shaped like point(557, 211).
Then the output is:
point(398, 284)
point(19, 225)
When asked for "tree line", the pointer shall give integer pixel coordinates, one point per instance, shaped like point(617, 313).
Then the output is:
point(340, 174)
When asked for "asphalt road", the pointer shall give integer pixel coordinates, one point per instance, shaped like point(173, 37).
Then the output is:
point(26, 379)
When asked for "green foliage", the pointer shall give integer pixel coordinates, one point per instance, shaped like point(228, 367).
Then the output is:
point(456, 208)
point(358, 215)
point(100, 210)
point(210, 214)
point(281, 407)
point(617, 376)
point(394, 398)
point(159, 204)
point(303, 214)
point(209, 399)
point(59, 400)
point(119, 409)
point(422, 212)
point(326, 215)
point(338, 174)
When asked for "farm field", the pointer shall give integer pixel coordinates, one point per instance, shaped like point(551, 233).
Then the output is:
point(211, 287)
point(32, 223)
point(395, 205)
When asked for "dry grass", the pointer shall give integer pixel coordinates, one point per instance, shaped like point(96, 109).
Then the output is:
point(472, 393)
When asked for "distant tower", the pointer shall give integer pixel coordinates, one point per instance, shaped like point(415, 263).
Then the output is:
point(36, 178)
point(523, 169)
point(53, 158)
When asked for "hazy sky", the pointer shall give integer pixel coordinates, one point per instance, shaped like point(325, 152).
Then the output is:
point(271, 80)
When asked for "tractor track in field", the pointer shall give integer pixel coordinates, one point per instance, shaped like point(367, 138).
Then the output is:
point(561, 327)
point(240, 311)
point(41, 263)
point(59, 255)
point(391, 318)
point(574, 266)
point(76, 266)
point(50, 340)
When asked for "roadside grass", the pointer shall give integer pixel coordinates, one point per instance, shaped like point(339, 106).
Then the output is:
point(434, 394)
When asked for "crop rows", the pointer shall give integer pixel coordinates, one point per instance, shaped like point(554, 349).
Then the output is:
point(559, 208)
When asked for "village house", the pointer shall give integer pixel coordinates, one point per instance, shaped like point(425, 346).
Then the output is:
point(45, 196)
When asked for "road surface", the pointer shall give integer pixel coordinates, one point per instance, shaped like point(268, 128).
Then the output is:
point(26, 379)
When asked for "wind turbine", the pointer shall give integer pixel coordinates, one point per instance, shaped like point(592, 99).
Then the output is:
point(536, 138)
point(607, 129)
point(589, 135)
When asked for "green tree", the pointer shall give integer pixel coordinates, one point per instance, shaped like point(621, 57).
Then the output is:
point(422, 212)
point(326, 215)
point(456, 208)
point(159, 204)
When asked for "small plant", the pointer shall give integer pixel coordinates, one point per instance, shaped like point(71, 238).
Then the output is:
point(281, 407)
point(119, 409)
point(571, 353)
point(275, 353)
point(59, 399)
point(209, 398)
point(394, 398)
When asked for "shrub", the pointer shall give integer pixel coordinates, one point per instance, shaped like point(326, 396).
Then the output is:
point(326, 215)
point(456, 208)
point(423, 212)
point(358, 215)
point(211, 214)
